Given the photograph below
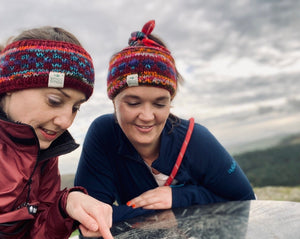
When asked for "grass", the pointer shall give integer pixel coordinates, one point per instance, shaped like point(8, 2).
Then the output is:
point(75, 233)
point(278, 193)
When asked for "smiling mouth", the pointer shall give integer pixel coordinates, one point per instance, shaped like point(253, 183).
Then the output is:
point(48, 135)
point(50, 132)
point(145, 127)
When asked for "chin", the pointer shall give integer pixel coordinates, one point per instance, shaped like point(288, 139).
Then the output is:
point(44, 145)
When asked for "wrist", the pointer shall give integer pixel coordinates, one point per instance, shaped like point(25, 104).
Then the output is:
point(64, 198)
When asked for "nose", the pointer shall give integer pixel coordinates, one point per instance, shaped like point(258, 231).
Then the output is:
point(64, 118)
point(147, 113)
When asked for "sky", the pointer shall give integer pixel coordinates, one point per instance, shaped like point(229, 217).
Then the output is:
point(240, 59)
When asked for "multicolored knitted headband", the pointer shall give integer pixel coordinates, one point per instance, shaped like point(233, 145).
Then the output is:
point(143, 63)
point(45, 63)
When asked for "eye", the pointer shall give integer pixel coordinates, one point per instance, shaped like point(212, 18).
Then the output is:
point(54, 101)
point(160, 105)
point(76, 108)
point(132, 103)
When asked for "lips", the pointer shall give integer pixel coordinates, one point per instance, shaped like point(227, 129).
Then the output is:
point(48, 134)
point(144, 129)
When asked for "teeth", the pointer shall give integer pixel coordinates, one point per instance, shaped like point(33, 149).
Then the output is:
point(49, 131)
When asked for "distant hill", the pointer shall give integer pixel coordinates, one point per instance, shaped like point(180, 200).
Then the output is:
point(277, 165)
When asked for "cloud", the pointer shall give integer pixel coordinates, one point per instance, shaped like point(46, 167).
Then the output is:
point(240, 59)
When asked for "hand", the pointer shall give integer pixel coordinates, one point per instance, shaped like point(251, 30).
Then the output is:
point(95, 216)
point(158, 198)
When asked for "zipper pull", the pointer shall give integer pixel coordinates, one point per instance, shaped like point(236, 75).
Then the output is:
point(32, 209)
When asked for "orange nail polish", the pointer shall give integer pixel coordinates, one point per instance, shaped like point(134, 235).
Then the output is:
point(128, 204)
point(133, 205)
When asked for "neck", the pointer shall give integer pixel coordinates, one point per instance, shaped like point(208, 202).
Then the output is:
point(148, 153)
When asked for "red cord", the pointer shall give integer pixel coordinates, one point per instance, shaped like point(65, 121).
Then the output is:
point(181, 153)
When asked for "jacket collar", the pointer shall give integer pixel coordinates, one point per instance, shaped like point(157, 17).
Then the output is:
point(24, 135)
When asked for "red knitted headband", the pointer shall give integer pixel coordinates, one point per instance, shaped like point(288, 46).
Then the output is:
point(45, 63)
point(143, 63)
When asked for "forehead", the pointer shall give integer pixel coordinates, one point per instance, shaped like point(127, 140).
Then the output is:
point(143, 92)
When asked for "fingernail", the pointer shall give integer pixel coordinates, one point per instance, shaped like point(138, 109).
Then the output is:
point(128, 203)
point(133, 205)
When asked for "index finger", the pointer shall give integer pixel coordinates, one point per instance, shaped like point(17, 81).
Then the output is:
point(104, 225)
point(105, 231)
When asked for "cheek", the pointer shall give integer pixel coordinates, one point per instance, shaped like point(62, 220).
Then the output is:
point(123, 113)
point(19, 113)
point(21, 109)
point(163, 115)
point(123, 116)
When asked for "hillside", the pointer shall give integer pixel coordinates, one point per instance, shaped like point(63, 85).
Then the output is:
point(275, 166)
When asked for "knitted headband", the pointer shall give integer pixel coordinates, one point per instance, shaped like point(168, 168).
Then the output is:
point(45, 63)
point(143, 63)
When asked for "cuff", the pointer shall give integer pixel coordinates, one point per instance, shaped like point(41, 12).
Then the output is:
point(63, 199)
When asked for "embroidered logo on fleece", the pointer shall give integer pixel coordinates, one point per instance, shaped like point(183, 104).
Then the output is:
point(232, 167)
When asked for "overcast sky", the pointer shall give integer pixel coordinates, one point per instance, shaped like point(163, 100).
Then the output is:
point(240, 58)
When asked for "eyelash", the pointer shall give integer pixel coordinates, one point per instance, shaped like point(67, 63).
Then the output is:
point(53, 102)
point(57, 103)
point(137, 103)
point(76, 109)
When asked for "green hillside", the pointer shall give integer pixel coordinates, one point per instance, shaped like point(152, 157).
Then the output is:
point(275, 166)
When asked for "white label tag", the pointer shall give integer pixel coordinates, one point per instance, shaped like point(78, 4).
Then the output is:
point(132, 80)
point(56, 79)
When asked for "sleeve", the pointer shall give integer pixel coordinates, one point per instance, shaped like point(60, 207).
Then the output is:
point(215, 175)
point(94, 171)
point(123, 212)
point(51, 220)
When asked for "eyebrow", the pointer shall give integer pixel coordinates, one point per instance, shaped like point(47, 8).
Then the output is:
point(68, 96)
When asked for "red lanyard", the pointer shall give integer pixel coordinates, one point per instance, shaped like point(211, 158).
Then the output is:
point(181, 153)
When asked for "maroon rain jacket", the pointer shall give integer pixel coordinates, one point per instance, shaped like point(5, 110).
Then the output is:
point(31, 203)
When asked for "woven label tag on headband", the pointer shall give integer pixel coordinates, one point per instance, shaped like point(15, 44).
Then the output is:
point(132, 80)
point(56, 79)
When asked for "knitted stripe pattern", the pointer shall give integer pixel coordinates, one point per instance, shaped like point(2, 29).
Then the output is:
point(149, 66)
point(28, 64)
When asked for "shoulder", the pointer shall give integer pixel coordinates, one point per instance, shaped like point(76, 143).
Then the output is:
point(103, 121)
point(200, 133)
point(102, 125)
point(181, 127)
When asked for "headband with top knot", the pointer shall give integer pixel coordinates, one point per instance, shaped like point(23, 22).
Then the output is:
point(45, 63)
point(144, 63)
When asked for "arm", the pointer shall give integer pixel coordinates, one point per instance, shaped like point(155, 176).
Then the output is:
point(49, 222)
point(216, 176)
point(208, 174)
point(53, 220)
